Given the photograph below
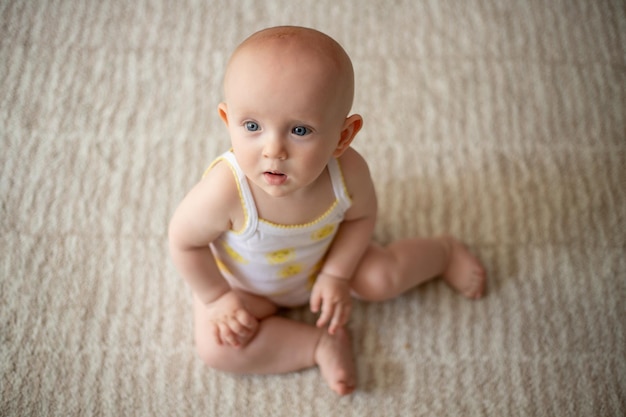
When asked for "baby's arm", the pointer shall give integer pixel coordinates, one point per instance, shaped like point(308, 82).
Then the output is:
point(203, 215)
point(332, 288)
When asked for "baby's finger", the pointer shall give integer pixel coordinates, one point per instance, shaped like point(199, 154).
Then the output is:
point(246, 319)
point(337, 319)
point(315, 301)
point(327, 313)
point(237, 328)
point(340, 318)
point(227, 336)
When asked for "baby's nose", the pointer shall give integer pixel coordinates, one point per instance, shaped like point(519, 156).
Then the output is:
point(274, 148)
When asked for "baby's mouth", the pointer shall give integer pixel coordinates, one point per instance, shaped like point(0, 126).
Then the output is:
point(274, 177)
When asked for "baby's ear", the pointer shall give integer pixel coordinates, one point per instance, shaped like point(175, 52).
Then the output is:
point(351, 127)
point(222, 111)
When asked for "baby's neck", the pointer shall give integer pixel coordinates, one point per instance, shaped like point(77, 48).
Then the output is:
point(298, 208)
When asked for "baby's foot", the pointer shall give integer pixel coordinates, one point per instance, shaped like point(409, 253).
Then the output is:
point(464, 272)
point(334, 358)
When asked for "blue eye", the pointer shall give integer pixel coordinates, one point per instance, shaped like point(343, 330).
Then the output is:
point(251, 126)
point(300, 131)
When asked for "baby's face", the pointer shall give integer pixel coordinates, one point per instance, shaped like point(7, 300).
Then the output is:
point(285, 110)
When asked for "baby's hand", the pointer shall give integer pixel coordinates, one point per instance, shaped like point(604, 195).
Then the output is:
point(232, 324)
point(333, 295)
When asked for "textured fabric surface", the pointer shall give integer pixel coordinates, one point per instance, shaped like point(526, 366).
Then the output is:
point(502, 122)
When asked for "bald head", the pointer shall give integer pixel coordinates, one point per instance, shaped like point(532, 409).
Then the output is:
point(296, 51)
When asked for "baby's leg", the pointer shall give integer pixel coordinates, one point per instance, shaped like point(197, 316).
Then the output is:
point(385, 273)
point(280, 345)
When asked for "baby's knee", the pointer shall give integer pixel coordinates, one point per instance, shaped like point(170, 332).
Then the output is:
point(213, 355)
point(376, 286)
point(206, 353)
point(223, 357)
point(377, 276)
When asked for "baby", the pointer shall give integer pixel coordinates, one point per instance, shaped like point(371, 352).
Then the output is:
point(285, 218)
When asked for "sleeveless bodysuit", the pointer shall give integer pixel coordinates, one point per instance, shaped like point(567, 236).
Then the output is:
point(279, 262)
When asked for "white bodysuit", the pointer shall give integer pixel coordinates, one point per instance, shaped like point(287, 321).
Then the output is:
point(279, 262)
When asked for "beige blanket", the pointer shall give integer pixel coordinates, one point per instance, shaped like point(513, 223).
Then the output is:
point(502, 122)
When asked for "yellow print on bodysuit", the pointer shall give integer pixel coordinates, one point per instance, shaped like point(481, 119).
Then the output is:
point(222, 266)
point(281, 256)
point(314, 273)
point(290, 270)
point(233, 254)
point(324, 232)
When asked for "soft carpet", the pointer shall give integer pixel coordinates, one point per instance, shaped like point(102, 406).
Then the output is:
point(502, 122)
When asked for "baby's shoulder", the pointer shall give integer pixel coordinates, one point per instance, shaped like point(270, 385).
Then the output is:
point(215, 196)
point(207, 210)
point(219, 182)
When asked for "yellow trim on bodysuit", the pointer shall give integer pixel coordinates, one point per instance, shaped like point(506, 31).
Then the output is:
point(343, 181)
point(304, 225)
point(320, 218)
point(241, 199)
point(281, 226)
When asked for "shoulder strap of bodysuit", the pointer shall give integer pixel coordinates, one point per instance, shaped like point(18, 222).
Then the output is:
point(247, 200)
point(339, 184)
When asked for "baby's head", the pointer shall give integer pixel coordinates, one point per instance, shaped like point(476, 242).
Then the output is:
point(289, 69)
point(288, 91)
point(302, 61)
